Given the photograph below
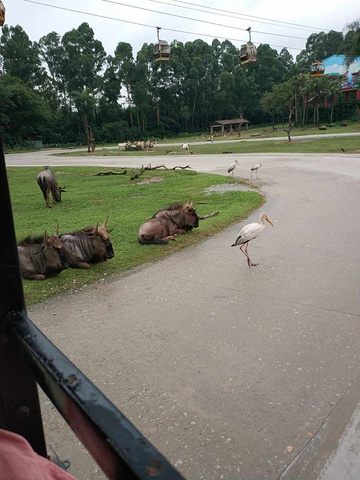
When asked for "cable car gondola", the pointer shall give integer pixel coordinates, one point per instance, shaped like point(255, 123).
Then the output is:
point(2, 14)
point(161, 49)
point(317, 69)
point(248, 51)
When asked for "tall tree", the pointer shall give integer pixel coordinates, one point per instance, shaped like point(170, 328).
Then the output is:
point(351, 44)
point(269, 69)
point(84, 57)
point(319, 46)
point(246, 95)
point(52, 53)
point(269, 105)
point(20, 56)
point(23, 112)
point(124, 67)
point(84, 103)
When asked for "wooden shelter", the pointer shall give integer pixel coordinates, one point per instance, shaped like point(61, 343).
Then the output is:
point(233, 124)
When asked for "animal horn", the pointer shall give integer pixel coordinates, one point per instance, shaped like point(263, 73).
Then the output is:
point(106, 222)
point(57, 230)
point(96, 228)
point(189, 203)
point(45, 237)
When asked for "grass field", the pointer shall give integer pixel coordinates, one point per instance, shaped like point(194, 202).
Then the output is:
point(321, 145)
point(266, 132)
point(233, 145)
point(90, 199)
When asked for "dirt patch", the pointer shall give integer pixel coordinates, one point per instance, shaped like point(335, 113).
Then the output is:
point(150, 180)
point(229, 187)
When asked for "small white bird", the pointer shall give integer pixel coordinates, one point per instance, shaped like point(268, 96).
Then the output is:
point(232, 167)
point(186, 147)
point(255, 168)
point(248, 233)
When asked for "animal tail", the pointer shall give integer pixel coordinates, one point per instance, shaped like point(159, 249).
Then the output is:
point(151, 241)
point(236, 243)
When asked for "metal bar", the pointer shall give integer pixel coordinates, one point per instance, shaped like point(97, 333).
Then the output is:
point(19, 402)
point(117, 446)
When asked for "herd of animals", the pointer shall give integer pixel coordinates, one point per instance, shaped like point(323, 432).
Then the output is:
point(46, 256)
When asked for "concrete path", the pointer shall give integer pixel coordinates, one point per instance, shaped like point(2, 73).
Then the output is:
point(229, 370)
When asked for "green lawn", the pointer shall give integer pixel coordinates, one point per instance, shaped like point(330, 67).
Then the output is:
point(304, 145)
point(265, 132)
point(90, 199)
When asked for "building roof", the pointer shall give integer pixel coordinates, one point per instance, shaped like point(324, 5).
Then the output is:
point(229, 122)
point(335, 65)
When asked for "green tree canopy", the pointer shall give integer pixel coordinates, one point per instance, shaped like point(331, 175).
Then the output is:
point(351, 44)
point(22, 111)
point(20, 56)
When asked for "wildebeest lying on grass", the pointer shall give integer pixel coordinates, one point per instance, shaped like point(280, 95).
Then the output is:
point(89, 245)
point(42, 257)
point(165, 225)
point(47, 182)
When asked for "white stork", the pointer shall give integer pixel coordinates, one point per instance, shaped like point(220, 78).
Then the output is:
point(248, 233)
point(232, 167)
point(255, 168)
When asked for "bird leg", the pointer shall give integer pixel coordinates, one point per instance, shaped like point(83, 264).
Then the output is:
point(250, 263)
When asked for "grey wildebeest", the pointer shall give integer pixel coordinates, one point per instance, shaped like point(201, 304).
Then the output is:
point(165, 225)
point(89, 245)
point(42, 257)
point(47, 182)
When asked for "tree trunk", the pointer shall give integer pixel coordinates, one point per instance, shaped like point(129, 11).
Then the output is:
point(193, 113)
point(86, 131)
point(157, 113)
point(138, 120)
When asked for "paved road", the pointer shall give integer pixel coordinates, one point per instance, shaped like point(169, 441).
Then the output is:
point(229, 371)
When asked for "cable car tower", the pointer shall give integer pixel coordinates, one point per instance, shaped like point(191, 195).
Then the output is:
point(248, 51)
point(2, 14)
point(161, 49)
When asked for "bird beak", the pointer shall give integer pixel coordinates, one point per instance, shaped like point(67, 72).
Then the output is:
point(268, 220)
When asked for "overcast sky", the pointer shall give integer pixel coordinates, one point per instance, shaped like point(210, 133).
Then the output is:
point(231, 22)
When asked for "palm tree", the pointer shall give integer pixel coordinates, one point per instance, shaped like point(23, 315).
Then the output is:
point(331, 88)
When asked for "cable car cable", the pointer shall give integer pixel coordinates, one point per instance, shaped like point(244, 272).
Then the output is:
point(199, 20)
point(150, 26)
point(251, 16)
point(241, 16)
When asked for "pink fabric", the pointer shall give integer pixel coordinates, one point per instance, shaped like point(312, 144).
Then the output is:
point(18, 461)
